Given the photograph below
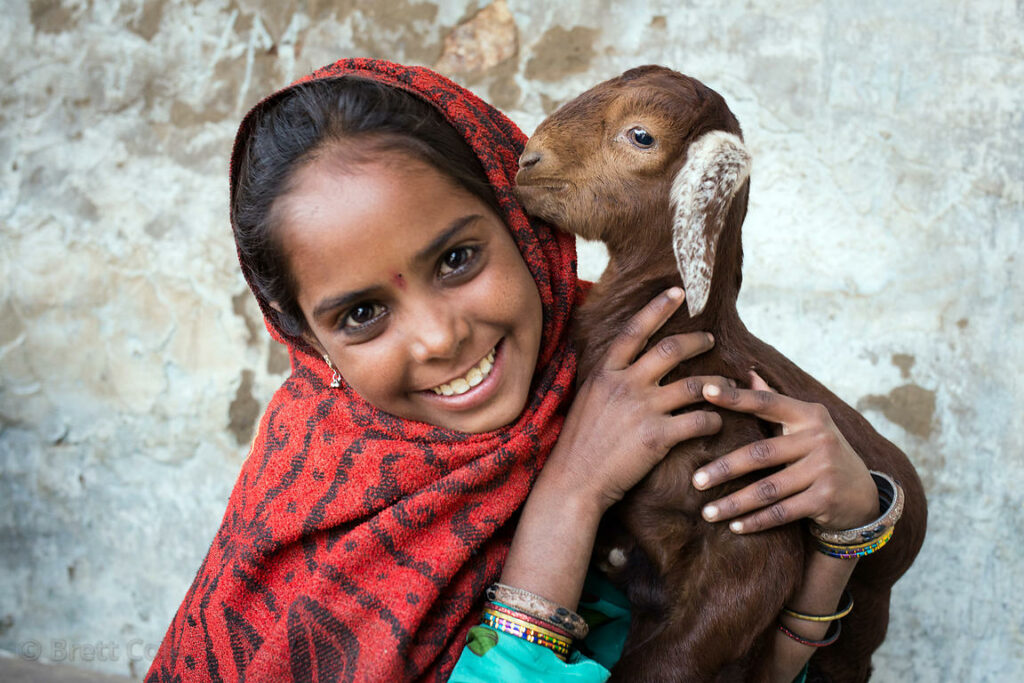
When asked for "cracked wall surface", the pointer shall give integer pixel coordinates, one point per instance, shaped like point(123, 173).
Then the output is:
point(882, 255)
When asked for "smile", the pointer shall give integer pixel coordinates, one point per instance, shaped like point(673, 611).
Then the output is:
point(477, 374)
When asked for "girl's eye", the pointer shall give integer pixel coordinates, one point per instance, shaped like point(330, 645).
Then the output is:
point(455, 260)
point(361, 315)
point(640, 137)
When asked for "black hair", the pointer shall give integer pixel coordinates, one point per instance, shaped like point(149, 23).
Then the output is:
point(308, 120)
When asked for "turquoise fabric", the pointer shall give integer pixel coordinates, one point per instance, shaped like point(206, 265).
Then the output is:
point(513, 660)
point(491, 656)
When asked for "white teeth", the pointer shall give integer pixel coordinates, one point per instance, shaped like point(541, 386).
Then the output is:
point(473, 377)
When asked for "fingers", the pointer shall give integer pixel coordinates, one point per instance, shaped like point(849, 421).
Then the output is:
point(640, 327)
point(789, 510)
point(757, 383)
point(669, 352)
point(691, 425)
point(766, 405)
point(661, 435)
point(769, 502)
point(687, 391)
point(778, 450)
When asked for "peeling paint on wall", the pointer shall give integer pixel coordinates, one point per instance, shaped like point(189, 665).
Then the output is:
point(480, 43)
point(561, 52)
point(910, 406)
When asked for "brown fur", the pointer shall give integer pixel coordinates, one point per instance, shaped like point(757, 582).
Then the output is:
point(705, 600)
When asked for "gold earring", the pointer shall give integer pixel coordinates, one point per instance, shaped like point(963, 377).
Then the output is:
point(336, 377)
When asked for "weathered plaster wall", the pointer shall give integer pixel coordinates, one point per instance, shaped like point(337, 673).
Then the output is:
point(882, 249)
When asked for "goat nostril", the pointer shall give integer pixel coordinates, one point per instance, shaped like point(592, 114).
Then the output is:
point(528, 160)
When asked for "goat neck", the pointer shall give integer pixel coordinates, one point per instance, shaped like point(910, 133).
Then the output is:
point(637, 272)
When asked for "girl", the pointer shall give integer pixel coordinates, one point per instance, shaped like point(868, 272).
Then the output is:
point(429, 441)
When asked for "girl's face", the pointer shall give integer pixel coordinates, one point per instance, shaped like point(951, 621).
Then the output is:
point(414, 289)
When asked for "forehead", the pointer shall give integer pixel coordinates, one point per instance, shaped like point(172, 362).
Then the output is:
point(359, 222)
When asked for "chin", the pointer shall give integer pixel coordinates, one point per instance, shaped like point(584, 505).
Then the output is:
point(478, 424)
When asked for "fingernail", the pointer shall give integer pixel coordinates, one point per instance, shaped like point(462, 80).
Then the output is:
point(732, 383)
point(700, 479)
point(711, 338)
point(736, 527)
point(712, 390)
point(710, 512)
point(675, 293)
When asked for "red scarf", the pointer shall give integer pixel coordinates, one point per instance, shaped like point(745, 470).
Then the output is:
point(356, 545)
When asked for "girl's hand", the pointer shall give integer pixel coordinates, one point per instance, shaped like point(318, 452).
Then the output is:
point(822, 478)
point(620, 424)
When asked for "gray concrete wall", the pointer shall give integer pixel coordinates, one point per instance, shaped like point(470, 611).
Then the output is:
point(883, 255)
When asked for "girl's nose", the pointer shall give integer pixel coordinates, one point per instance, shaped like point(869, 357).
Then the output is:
point(437, 332)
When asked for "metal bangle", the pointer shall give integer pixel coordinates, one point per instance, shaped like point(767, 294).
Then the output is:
point(539, 607)
point(890, 499)
point(839, 614)
point(836, 627)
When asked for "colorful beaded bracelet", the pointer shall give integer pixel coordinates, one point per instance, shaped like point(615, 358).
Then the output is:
point(828, 640)
point(848, 552)
point(529, 618)
point(823, 617)
point(542, 608)
point(890, 500)
point(528, 632)
point(546, 632)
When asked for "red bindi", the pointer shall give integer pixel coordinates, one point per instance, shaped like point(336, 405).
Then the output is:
point(398, 280)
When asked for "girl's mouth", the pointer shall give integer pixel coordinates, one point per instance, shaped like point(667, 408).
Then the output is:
point(477, 374)
point(475, 388)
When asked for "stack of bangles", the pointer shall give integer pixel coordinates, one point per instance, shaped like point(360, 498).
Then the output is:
point(848, 544)
point(535, 619)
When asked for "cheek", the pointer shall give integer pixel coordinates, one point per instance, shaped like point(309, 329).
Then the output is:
point(527, 312)
point(515, 292)
point(375, 374)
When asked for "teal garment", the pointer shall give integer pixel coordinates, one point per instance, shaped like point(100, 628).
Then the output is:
point(492, 656)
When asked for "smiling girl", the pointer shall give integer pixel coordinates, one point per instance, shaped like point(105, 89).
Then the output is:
point(430, 441)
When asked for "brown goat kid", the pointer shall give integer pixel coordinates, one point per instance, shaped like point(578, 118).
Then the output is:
point(652, 163)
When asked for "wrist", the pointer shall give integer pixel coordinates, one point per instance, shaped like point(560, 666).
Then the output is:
point(868, 538)
point(566, 497)
point(562, 481)
point(825, 578)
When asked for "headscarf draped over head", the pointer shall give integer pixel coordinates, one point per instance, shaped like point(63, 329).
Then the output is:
point(357, 545)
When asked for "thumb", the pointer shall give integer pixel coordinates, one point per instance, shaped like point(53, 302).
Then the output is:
point(757, 383)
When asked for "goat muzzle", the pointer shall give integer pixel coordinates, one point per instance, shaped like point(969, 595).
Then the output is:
point(529, 159)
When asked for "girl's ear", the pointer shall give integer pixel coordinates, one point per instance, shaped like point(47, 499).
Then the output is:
point(717, 165)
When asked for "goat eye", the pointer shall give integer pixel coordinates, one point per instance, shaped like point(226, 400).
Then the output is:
point(640, 137)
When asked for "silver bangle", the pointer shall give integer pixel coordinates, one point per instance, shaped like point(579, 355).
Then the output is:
point(890, 499)
point(539, 607)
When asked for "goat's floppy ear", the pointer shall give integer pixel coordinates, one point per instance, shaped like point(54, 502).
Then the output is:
point(717, 164)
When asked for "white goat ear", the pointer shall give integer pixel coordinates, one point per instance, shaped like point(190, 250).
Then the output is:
point(717, 164)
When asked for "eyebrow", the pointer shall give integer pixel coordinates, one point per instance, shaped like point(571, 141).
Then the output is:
point(457, 225)
point(424, 254)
